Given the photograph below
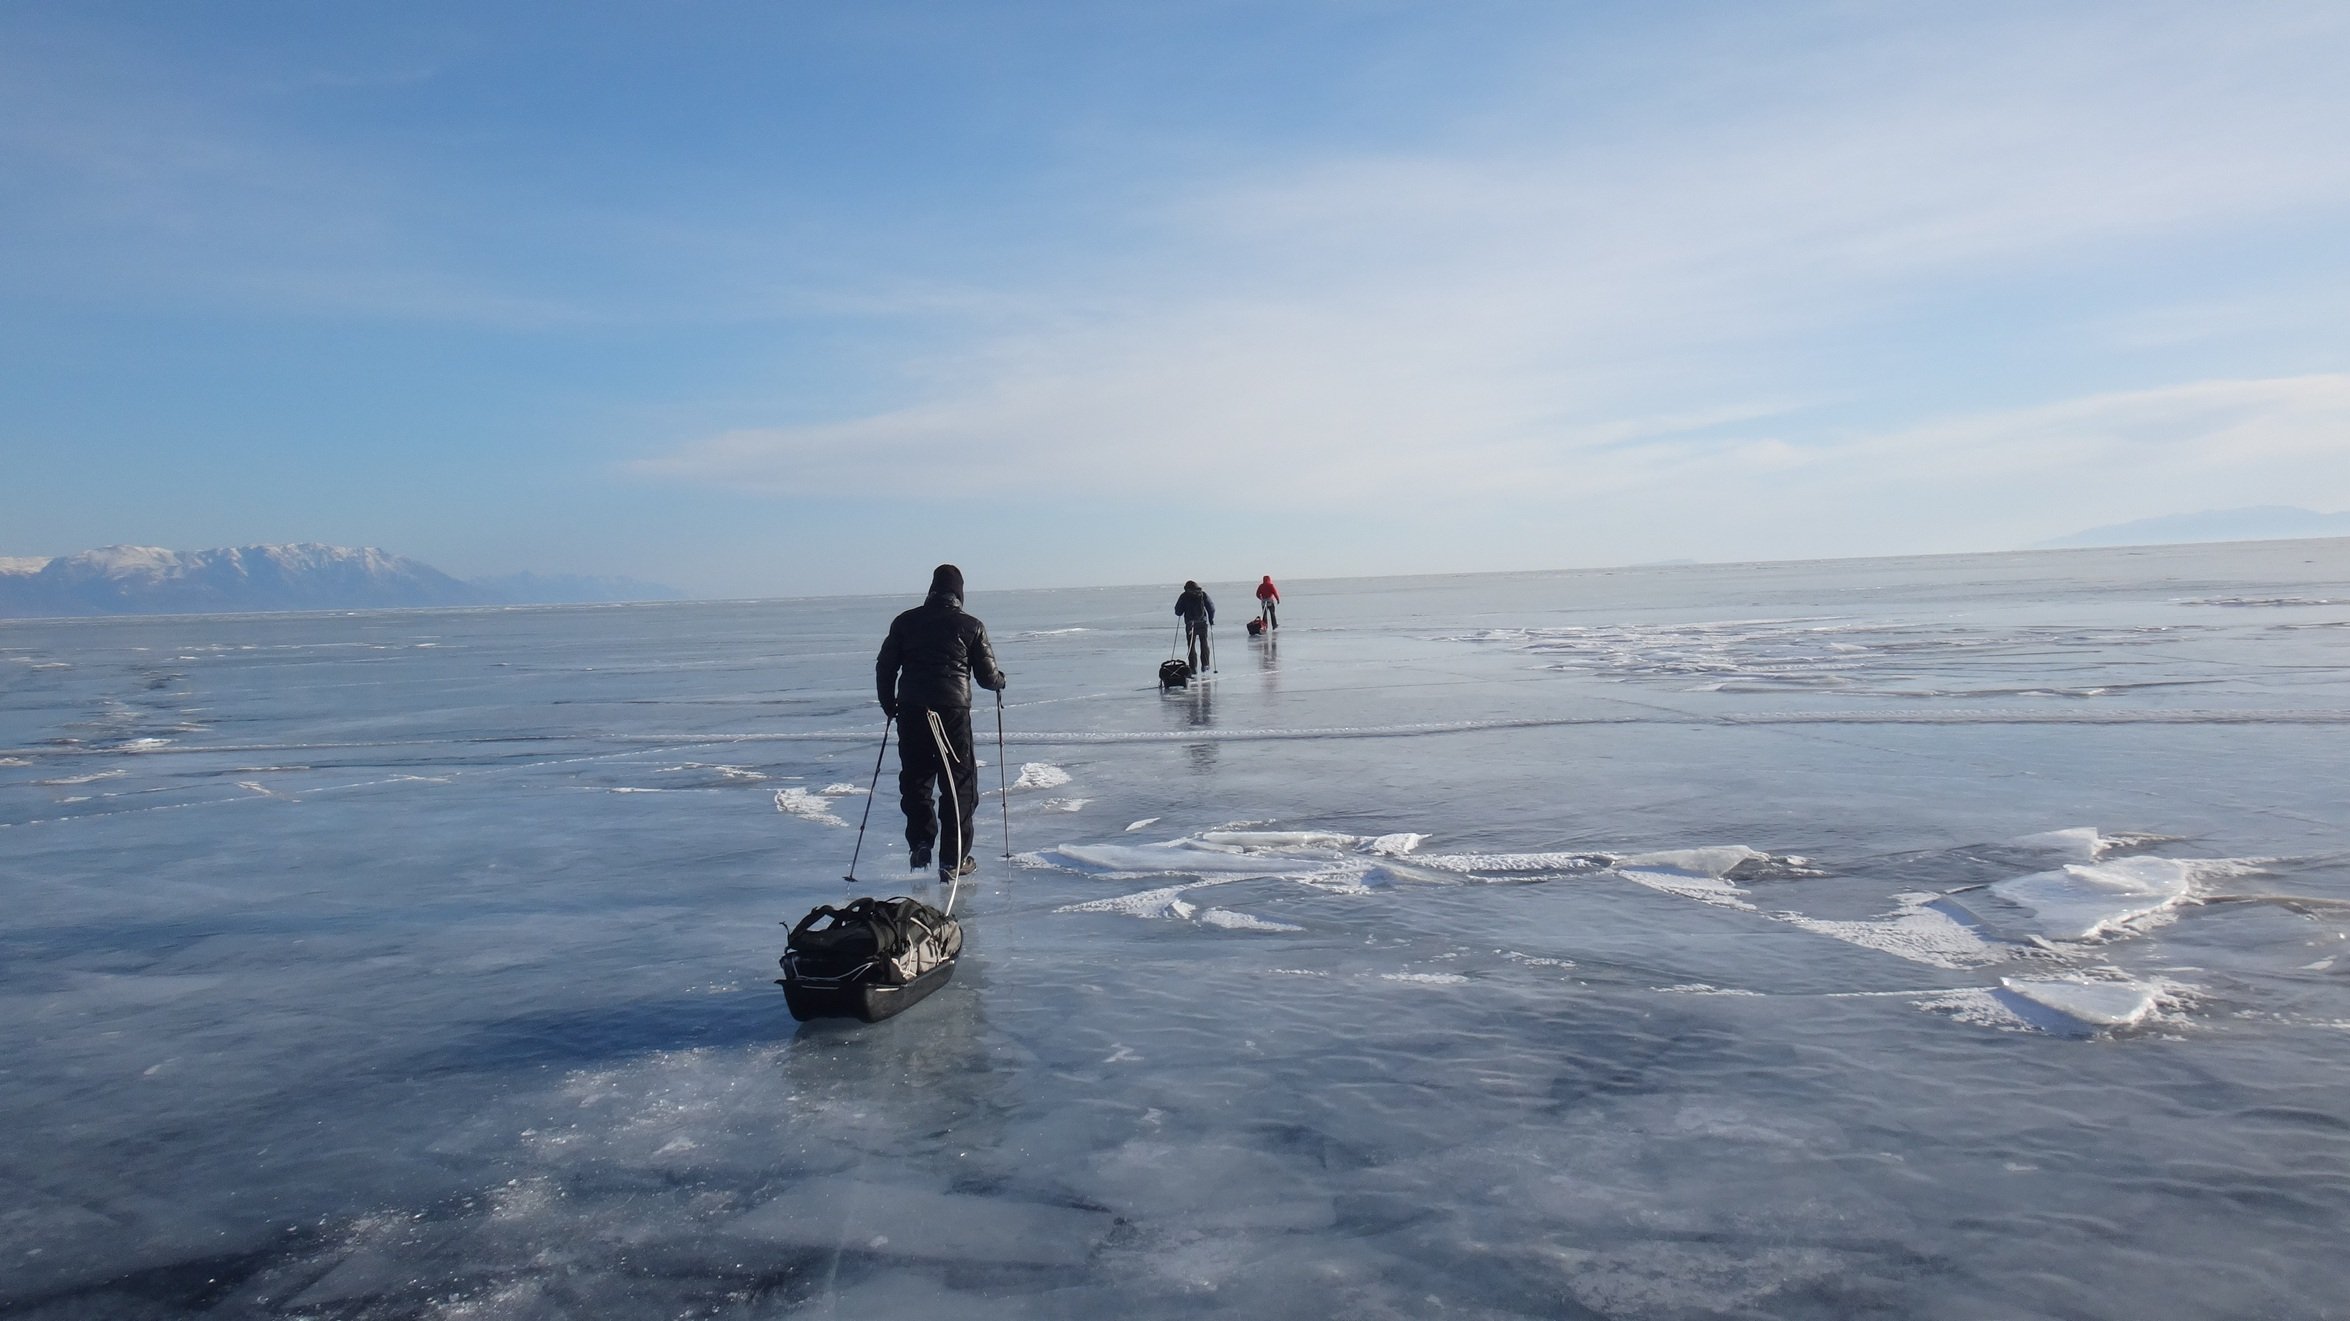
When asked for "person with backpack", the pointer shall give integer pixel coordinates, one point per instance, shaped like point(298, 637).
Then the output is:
point(1268, 597)
point(924, 675)
point(1198, 612)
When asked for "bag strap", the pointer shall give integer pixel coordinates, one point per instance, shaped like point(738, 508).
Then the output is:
point(822, 910)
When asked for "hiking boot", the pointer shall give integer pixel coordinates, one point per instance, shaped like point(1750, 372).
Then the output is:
point(919, 860)
point(948, 873)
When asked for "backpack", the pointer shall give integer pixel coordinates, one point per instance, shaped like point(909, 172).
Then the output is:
point(869, 958)
point(1175, 674)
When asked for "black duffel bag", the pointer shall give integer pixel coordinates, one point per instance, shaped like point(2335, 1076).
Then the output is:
point(868, 959)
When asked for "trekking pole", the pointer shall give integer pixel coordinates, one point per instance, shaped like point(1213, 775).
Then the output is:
point(886, 722)
point(1006, 789)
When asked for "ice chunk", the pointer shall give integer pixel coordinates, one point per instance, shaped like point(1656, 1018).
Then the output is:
point(2085, 843)
point(796, 801)
point(1700, 873)
point(2082, 901)
point(2077, 1002)
point(1714, 861)
point(2081, 842)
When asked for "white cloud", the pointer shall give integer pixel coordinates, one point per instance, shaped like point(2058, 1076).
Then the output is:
point(1570, 309)
point(2020, 475)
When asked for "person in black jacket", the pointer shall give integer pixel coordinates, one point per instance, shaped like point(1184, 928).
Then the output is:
point(1198, 612)
point(924, 677)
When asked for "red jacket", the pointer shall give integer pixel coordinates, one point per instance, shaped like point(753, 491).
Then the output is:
point(1266, 591)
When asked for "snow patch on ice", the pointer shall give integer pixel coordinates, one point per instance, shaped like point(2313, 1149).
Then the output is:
point(1040, 775)
point(1064, 804)
point(1226, 918)
point(1919, 930)
point(1167, 901)
point(1146, 821)
point(1979, 1006)
point(799, 802)
point(1469, 864)
point(1426, 978)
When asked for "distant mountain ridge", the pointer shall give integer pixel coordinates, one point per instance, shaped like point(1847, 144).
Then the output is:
point(116, 580)
point(2257, 523)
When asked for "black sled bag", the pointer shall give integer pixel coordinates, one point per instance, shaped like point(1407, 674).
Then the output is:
point(1175, 674)
point(868, 959)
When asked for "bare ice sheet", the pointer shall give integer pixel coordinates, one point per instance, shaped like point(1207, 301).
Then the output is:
point(1936, 938)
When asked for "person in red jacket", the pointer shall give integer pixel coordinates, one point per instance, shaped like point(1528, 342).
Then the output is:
point(1268, 596)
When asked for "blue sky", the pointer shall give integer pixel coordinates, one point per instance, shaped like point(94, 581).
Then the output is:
point(782, 299)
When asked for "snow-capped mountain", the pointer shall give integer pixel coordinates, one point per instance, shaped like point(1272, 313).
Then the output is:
point(304, 576)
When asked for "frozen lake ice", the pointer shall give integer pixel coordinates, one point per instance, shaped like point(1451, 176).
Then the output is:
point(1937, 937)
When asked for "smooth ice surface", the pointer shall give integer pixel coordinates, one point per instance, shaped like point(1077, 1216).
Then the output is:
point(1938, 938)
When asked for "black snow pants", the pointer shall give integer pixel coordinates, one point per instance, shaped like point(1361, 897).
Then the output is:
point(922, 762)
point(1195, 645)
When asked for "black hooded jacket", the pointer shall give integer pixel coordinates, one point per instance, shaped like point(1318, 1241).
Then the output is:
point(932, 652)
point(1195, 607)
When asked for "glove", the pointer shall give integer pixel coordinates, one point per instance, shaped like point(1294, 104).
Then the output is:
point(889, 710)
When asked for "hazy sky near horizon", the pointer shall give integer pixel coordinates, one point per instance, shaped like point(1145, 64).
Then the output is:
point(763, 298)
